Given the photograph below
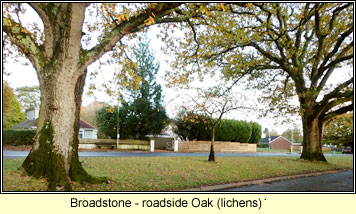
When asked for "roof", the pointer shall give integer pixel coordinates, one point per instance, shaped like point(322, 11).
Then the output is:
point(29, 124)
point(266, 139)
point(273, 138)
point(85, 125)
point(26, 124)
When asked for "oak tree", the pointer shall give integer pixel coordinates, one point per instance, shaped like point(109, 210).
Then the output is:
point(61, 48)
point(287, 50)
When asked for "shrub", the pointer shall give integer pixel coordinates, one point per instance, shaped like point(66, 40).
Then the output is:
point(106, 121)
point(256, 133)
point(195, 127)
point(262, 145)
point(17, 137)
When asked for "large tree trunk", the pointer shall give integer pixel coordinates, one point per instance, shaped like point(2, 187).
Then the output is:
point(61, 76)
point(212, 154)
point(312, 136)
point(55, 151)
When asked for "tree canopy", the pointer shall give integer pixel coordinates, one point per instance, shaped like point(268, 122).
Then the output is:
point(28, 96)
point(287, 50)
point(12, 114)
point(340, 131)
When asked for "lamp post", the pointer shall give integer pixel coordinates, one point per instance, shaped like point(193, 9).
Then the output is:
point(291, 144)
point(269, 141)
point(118, 125)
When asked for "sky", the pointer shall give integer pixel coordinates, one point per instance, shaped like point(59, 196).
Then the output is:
point(25, 75)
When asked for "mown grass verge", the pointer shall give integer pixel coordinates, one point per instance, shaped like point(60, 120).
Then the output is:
point(173, 173)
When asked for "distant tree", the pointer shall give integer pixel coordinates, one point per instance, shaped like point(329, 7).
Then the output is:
point(88, 113)
point(11, 108)
point(273, 133)
point(266, 132)
point(28, 96)
point(213, 103)
point(143, 113)
point(340, 131)
point(106, 120)
point(297, 136)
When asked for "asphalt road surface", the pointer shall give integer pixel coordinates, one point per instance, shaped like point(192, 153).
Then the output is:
point(333, 182)
point(22, 154)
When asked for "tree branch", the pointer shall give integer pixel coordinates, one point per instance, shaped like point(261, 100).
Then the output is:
point(314, 72)
point(319, 72)
point(134, 24)
point(335, 13)
point(20, 37)
point(48, 29)
point(331, 115)
point(337, 90)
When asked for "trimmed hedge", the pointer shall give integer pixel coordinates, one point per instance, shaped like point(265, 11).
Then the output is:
point(260, 145)
point(227, 130)
point(17, 137)
point(256, 133)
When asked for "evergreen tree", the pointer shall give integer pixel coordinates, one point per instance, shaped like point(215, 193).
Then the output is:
point(106, 121)
point(143, 114)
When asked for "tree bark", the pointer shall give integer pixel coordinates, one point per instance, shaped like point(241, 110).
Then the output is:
point(312, 136)
point(211, 154)
point(55, 151)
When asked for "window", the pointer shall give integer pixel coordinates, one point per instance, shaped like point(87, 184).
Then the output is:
point(81, 134)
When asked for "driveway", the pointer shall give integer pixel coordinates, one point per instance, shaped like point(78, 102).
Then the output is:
point(22, 154)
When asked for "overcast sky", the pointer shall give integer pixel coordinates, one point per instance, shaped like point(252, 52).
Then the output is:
point(25, 75)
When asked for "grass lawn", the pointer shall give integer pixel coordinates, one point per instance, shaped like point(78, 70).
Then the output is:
point(267, 150)
point(173, 173)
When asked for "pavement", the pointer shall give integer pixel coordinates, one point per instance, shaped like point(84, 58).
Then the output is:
point(329, 181)
point(22, 154)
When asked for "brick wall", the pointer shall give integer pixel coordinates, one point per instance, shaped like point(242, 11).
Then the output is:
point(219, 146)
point(280, 143)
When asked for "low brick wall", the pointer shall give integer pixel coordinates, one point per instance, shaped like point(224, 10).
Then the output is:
point(111, 144)
point(219, 146)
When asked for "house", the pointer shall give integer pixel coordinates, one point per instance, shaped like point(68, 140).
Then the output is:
point(86, 131)
point(277, 142)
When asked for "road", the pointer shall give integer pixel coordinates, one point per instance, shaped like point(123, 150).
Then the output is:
point(333, 182)
point(22, 154)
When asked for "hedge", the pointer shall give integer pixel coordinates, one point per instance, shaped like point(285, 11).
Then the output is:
point(262, 145)
point(228, 130)
point(256, 133)
point(17, 137)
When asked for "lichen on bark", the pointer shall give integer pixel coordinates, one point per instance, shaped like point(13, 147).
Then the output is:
point(44, 162)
